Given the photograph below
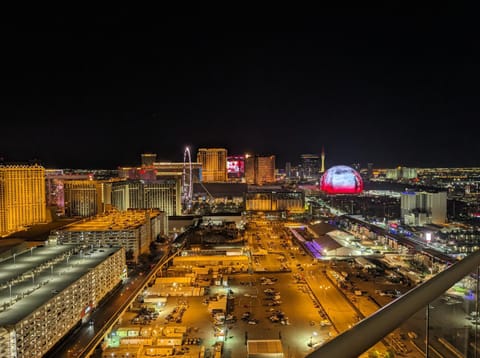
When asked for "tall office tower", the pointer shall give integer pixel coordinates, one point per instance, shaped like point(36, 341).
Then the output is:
point(163, 194)
point(264, 169)
point(288, 169)
point(310, 166)
point(22, 196)
point(83, 198)
point(214, 164)
point(420, 208)
point(322, 169)
point(148, 159)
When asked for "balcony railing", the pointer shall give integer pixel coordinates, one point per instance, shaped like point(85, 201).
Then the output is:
point(373, 329)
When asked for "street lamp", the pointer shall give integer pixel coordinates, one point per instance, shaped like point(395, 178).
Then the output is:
point(310, 344)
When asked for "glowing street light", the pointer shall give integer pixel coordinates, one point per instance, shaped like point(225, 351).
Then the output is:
point(310, 344)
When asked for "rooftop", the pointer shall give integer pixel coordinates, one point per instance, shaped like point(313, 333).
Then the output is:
point(122, 220)
point(39, 274)
point(264, 346)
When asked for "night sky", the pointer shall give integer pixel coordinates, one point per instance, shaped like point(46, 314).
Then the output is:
point(370, 86)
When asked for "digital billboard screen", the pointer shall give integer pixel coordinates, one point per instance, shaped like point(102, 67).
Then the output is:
point(236, 166)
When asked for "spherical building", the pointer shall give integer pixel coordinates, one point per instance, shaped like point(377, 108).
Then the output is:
point(341, 179)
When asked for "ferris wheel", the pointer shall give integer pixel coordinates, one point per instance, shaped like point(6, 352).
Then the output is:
point(187, 183)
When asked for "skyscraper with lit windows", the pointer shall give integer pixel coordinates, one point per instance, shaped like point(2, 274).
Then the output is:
point(260, 169)
point(163, 194)
point(310, 166)
point(22, 196)
point(264, 169)
point(214, 164)
point(83, 198)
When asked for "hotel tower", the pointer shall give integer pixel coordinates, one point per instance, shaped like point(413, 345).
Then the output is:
point(22, 197)
point(214, 164)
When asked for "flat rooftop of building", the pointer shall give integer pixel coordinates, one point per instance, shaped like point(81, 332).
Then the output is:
point(54, 268)
point(322, 228)
point(264, 346)
point(220, 189)
point(116, 221)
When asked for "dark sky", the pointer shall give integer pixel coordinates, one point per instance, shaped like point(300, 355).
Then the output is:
point(377, 86)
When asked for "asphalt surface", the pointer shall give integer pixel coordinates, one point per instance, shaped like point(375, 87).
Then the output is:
point(317, 309)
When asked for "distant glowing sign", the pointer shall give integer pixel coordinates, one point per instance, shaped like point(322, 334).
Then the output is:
point(341, 180)
point(428, 236)
point(236, 166)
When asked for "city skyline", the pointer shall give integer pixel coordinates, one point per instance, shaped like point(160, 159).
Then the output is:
point(391, 90)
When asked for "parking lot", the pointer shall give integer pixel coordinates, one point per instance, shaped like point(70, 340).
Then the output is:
point(274, 306)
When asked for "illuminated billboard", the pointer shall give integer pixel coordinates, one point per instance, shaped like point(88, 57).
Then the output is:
point(236, 166)
point(341, 179)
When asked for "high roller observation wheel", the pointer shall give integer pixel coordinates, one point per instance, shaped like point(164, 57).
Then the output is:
point(187, 182)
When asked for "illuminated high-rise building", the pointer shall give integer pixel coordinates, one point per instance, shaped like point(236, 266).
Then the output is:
point(83, 197)
point(322, 169)
point(420, 208)
point(264, 169)
point(259, 169)
point(370, 170)
point(22, 196)
point(401, 173)
point(148, 159)
point(55, 191)
point(163, 194)
point(310, 166)
point(152, 170)
point(288, 169)
point(214, 164)
point(249, 169)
